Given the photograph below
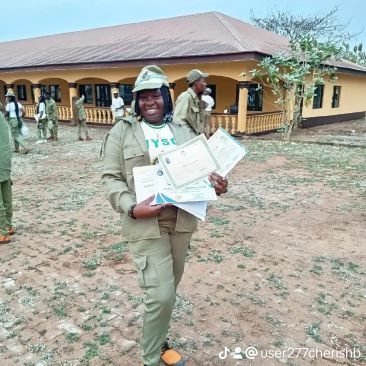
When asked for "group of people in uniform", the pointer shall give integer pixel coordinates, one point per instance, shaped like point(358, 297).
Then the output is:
point(158, 235)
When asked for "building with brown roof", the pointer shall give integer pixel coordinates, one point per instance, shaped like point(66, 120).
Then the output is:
point(104, 60)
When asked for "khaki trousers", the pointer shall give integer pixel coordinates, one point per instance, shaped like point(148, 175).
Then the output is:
point(42, 129)
point(6, 207)
point(82, 125)
point(53, 123)
point(160, 266)
point(15, 132)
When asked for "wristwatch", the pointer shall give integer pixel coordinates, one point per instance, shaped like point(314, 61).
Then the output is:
point(130, 211)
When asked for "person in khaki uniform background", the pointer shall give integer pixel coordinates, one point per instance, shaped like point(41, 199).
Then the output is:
point(158, 235)
point(42, 120)
point(209, 103)
point(80, 117)
point(51, 111)
point(189, 107)
point(6, 200)
point(14, 112)
point(118, 107)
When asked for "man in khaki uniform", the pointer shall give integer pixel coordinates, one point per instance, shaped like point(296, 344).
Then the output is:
point(80, 117)
point(6, 201)
point(189, 107)
point(51, 111)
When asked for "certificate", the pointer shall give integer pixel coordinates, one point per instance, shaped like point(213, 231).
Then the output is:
point(144, 182)
point(194, 192)
point(145, 186)
point(188, 163)
point(226, 150)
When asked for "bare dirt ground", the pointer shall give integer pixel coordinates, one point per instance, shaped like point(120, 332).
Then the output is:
point(279, 264)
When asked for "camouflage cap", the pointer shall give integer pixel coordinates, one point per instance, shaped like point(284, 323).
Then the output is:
point(195, 74)
point(150, 77)
point(10, 93)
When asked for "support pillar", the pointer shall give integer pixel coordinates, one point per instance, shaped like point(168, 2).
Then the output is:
point(72, 93)
point(36, 91)
point(171, 89)
point(242, 106)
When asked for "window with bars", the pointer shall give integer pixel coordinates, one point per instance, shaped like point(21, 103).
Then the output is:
point(22, 92)
point(125, 91)
point(103, 95)
point(255, 97)
point(87, 91)
point(55, 92)
point(336, 96)
point(318, 98)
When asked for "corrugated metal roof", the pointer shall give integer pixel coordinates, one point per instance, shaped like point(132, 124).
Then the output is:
point(206, 34)
point(185, 36)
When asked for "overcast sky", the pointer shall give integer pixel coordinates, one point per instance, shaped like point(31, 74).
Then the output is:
point(32, 18)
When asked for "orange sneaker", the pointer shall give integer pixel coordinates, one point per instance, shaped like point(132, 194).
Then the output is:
point(11, 230)
point(4, 239)
point(171, 357)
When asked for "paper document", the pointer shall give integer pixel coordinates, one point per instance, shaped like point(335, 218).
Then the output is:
point(226, 150)
point(144, 182)
point(188, 163)
point(145, 187)
point(194, 192)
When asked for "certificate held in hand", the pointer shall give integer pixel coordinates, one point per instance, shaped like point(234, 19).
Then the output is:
point(188, 163)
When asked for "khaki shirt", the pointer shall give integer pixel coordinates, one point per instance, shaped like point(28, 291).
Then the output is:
point(51, 109)
point(5, 150)
point(79, 105)
point(190, 110)
point(124, 148)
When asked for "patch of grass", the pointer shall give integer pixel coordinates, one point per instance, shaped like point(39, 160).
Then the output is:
point(343, 268)
point(92, 350)
point(276, 281)
point(273, 320)
point(313, 331)
point(218, 220)
point(213, 256)
point(208, 339)
point(87, 235)
point(216, 234)
point(72, 337)
point(116, 252)
point(104, 338)
point(243, 250)
point(60, 311)
point(322, 304)
point(317, 269)
point(92, 262)
point(255, 299)
point(59, 291)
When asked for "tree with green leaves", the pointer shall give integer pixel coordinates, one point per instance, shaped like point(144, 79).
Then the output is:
point(293, 76)
point(355, 54)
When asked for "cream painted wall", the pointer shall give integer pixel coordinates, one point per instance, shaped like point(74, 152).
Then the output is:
point(225, 75)
point(352, 98)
